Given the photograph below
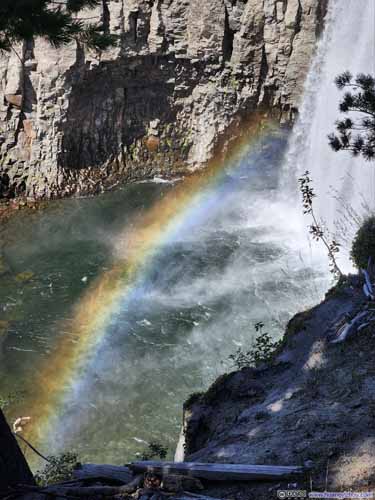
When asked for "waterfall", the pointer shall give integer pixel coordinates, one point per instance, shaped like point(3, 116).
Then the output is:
point(345, 186)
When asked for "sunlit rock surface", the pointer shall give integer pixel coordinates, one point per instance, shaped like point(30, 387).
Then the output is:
point(73, 121)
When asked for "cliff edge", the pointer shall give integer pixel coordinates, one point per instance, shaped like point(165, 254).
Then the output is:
point(312, 407)
point(184, 73)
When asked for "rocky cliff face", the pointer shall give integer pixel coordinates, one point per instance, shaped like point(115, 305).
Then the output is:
point(73, 121)
point(313, 405)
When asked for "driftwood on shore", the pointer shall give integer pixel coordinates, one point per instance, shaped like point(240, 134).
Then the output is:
point(218, 472)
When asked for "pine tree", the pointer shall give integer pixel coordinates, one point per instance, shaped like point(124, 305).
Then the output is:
point(55, 20)
point(356, 133)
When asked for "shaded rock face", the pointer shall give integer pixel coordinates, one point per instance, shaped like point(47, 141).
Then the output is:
point(313, 406)
point(73, 121)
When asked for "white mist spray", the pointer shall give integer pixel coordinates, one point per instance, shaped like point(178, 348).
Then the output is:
point(345, 186)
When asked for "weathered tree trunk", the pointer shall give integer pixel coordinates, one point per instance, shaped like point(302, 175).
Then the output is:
point(13, 466)
point(218, 472)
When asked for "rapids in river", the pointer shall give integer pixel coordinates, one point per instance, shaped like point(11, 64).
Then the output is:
point(241, 257)
point(102, 343)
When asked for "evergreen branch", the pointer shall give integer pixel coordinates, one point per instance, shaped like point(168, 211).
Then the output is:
point(360, 100)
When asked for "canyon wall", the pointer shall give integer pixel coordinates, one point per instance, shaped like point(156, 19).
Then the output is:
point(185, 71)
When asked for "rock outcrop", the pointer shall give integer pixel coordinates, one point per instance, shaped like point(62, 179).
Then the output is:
point(312, 406)
point(73, 121)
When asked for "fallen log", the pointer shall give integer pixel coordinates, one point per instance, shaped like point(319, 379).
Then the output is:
point(122, 475)
point(217, 472)
point(348, 329)
point(189, 496)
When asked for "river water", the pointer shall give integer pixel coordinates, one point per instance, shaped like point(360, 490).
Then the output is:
point(114, 309)
point(242, 256)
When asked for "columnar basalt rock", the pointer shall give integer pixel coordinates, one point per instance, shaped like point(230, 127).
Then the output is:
point(73, 121)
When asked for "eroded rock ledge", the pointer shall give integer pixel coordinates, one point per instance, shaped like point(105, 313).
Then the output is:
point(312, 407)
point(75, 122)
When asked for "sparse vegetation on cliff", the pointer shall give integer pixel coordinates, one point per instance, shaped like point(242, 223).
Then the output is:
point(261, 352)
point(317, 229)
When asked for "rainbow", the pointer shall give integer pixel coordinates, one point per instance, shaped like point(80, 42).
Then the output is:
point(137, 246)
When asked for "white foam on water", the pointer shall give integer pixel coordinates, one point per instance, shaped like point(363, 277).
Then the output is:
point(344, 185)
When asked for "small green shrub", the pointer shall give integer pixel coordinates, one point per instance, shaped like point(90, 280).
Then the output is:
point(261, 352)
point(59, 468)
point(155, 450)
point(364, 244)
